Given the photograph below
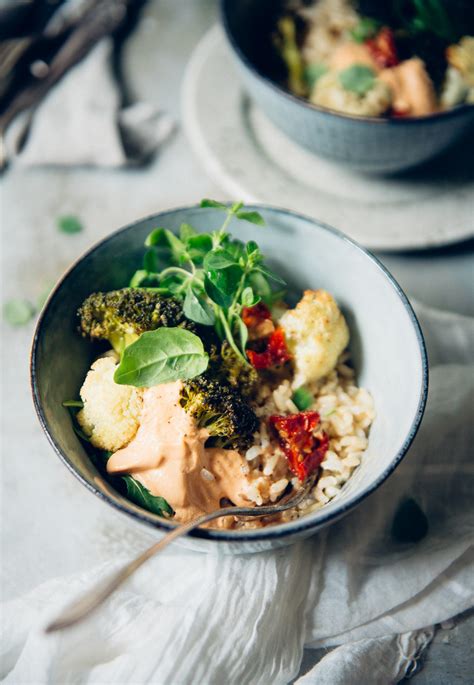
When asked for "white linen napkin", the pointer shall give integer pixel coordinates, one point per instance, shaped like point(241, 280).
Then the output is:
point(81, 122)
point(210, 619)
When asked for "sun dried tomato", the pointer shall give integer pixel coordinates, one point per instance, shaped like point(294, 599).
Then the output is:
point(383, 49)
point(252, 316)
point(296, 434)
point(275, 353)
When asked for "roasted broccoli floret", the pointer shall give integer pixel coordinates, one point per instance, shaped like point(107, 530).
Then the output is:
point(221, 410)
point(121, 316)
point(241, 376)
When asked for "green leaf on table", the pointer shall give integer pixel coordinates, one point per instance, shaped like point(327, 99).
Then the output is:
point(140, 495)
point(70, 224)
point(197, 309)
point(358, 79)
point(162, 356)
point(18, 312)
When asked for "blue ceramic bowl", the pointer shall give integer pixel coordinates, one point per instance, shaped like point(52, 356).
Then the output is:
point(370, 144)
point(386, 342)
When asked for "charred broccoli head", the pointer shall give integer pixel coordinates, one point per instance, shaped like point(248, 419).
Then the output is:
point(121, 316)
point(241, 376)
point(221, 410)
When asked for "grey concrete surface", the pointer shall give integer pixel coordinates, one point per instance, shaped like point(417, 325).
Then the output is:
point(51, 525)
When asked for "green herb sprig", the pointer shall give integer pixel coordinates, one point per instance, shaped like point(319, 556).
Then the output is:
point(214, 275)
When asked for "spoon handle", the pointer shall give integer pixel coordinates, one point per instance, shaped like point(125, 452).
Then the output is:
point(78, 609)
point(82, 607)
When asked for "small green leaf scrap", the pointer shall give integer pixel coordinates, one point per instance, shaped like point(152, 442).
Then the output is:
point(358, 79)
point(70, 224)
point(303, 398)
point(313, 72)
point(18, 312)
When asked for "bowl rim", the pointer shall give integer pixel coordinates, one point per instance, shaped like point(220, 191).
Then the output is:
point(309, 106)
point(297, 526)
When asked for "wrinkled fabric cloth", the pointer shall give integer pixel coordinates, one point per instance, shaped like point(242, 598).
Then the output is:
point(81, 122)
point(352, 588)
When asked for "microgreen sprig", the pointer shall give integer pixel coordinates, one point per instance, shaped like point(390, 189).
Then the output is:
point(213, 274)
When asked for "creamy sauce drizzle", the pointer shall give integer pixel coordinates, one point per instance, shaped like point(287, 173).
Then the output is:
point(167, 456)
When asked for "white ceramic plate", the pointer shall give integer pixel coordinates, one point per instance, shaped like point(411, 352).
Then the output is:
point(254, 161)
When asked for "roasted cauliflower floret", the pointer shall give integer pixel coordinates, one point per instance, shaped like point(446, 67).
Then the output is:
point(461, 57)
point(111, 412)
point(316, 334)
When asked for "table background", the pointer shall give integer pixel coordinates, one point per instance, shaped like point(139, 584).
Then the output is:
point(51, 524)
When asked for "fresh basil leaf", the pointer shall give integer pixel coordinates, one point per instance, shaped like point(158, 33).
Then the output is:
point(186, 231)
point(270, 274)
point(197, 309)
point(140, 495)
point(18, 312)
point(365, 29)
point(157, 238)
point(252, 217)
point(218, 259)
point(220, 298)
point(213, 203)
point(243, 332)
point(162, 356)
point(75, 404)
point(358, 79)
point(302, 398)
point(70, 224)
point(313, 72)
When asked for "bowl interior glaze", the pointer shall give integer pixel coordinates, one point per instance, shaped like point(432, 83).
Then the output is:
point(386, 344)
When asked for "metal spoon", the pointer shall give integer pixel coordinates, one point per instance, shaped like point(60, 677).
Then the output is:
point(82, 607)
